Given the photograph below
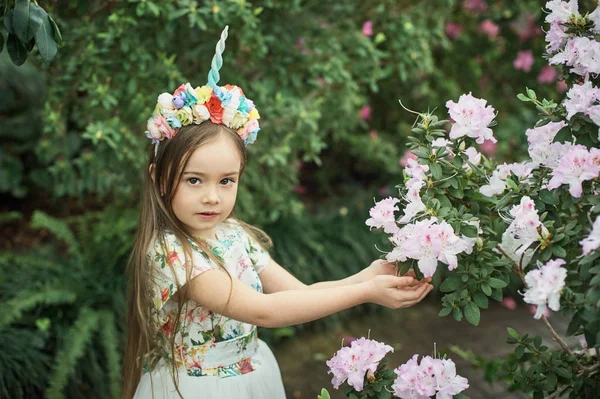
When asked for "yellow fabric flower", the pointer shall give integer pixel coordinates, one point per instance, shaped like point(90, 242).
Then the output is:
point(185, 116)
point(254, 114)
point(203, 93)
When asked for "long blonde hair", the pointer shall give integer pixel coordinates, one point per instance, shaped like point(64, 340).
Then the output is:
point(162, 175)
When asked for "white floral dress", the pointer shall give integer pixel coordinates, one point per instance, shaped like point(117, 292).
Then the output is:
point(210, 347)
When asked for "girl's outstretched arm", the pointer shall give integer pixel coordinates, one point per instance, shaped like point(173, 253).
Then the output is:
point(275, 278)
point(215, 290)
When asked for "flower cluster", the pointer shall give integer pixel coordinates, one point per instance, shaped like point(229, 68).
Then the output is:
point(585, 99)
point(544, 286)
point(430, 377)
point(382, 215)
point(225, 105)
point(428, 241)
point(356, 361)
point(472, 118)
point(580, 54)
point(576, 166)
point(525, 228)
point(497, 183)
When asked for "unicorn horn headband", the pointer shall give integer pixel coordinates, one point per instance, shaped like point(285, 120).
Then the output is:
point(225, 105)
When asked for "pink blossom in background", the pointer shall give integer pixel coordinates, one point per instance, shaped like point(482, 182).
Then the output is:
point(324, 25)
point(472, 118)
point(475, 6)
point(300, 43)
point(479, 59)
point(365, 112)
point(524, 61)
point(348, 340)
point(509, 303)
point(300, 189)
point(383, 191)
point(299, 165)
point(367, 28)
point(544, 286)
point(526, 27)
point(407, 155)
point(382, 215)
point(320, 81)
point(490, 29)
point(489, 148)
point(453, 30)
point(592, 241)
point(561, 86)
point(373, 134)
point(547, 75)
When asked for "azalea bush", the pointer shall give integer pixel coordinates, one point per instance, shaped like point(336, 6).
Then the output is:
point(363, 367)
point(537, 218)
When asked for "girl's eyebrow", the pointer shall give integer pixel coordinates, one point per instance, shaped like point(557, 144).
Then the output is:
point(235, 172)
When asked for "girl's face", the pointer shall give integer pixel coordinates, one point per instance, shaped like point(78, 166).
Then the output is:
point(208, 188)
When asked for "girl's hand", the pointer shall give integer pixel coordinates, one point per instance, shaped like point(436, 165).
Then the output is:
point(396, 292)
point(382, 267)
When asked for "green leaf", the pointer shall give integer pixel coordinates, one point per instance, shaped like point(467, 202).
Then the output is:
point(512, 184)
point(531, 94)
point(445, 312)
point(27, 19)
point(457, 314)
point(57, 35)
point(548, 197)
point(472, 313)
point(16, 50)
point(523, 97)
point(452, 283)
point(559, 251)
point(436, 171)
point(8, 22)
point(513, 333)
point(563, 135)
point(487, 290)
point(324, 394)
point(1, 42)
point(519, 352)
point(44, 39)
point(497, 283)
point(469, 230)
point(481, 300)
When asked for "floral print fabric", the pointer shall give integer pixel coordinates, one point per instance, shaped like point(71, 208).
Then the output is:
point(206, 343)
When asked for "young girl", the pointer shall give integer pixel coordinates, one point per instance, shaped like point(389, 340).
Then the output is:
point(200, 280)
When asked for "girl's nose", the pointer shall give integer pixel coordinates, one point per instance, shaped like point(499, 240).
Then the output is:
point(210, 196)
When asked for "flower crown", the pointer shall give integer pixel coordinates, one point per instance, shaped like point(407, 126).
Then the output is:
point(226, 105)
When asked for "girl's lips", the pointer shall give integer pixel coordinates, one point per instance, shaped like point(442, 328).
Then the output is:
point(207, 215)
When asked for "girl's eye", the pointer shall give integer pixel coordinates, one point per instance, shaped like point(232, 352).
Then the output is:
point(194, 181)
point(227, 181)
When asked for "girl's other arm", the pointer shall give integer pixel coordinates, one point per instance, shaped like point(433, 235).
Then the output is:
point(216, 291)
point(275, 278)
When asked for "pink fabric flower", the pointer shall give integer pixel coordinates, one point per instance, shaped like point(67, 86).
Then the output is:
point(453, 30)
point(524, 61)
point(577, 166)
point(365, 112)
point(353, 363)
point(367, 29)
point(472, 118)
point(547, 75)
point(545, 284)
point(509, 303)
point(592, 242)
point(382, 215)
point(490, 29)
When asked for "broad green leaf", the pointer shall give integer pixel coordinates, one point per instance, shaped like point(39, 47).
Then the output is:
point(44, 39)
point(549, 197)
point(436, 171)
point(513, 333)
point(57, 35)
point(481, 300)
point(452, 283)
point(497, 283)
point(472, 313)
point(16, 50)
point(445, 312)
point(27, 19)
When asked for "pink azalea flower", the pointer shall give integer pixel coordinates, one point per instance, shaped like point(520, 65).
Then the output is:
point(561, 86)
point(526, 27)
point(382, 215)
point(355, 362)
point(365, 112)
point(509, 303)
point(415, 205)
point(490, 29)
point(561, 11)
point(472, 118)
point(595, 18)
point(544, 286)
point(497, 183)
point(383, 191)
point(524, 225)
point(453, 30)
point(592, 242)
point(580, 98)
point(577, 166)
point(581, 54)
point(524, 60)
point(556, 37)
point(541, 149)
point(547, 75)
point(367, 29)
